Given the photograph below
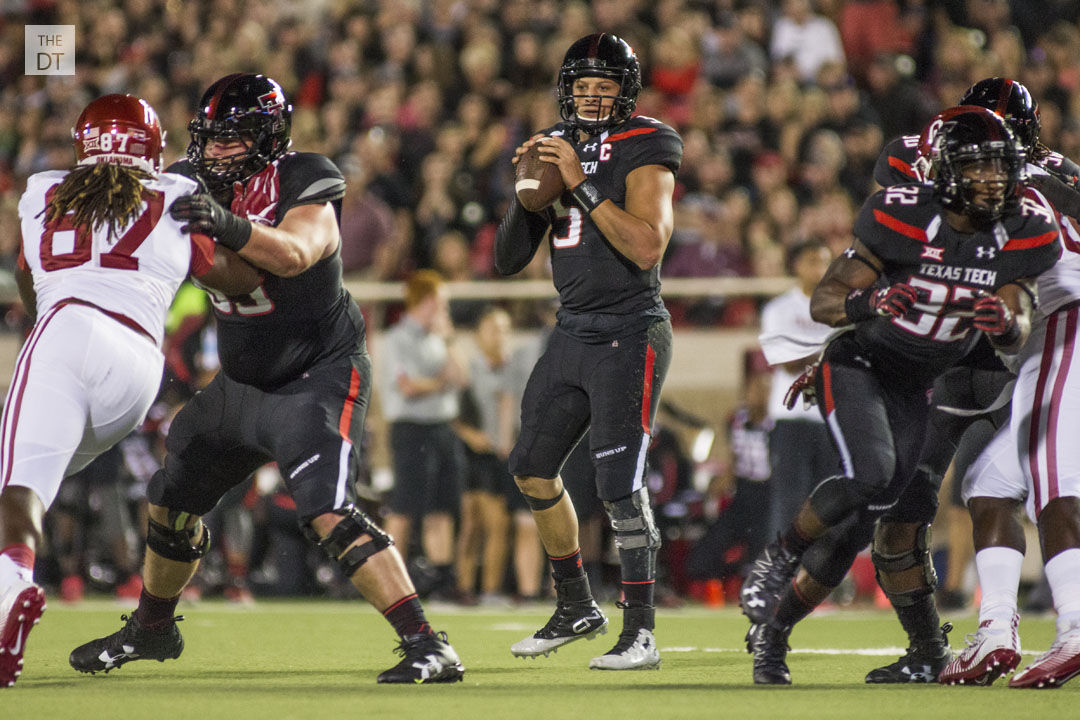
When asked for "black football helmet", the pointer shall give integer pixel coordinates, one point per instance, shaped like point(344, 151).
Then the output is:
point(599, 55)
point(242, 105)
point(971, 135)
point(1012, 101)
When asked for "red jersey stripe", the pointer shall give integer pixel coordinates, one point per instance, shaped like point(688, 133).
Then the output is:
point(902, 166)
point(629, 134)
point(915, 233)
point(1031, 242)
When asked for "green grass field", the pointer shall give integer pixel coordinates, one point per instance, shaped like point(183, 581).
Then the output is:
point(319, 660)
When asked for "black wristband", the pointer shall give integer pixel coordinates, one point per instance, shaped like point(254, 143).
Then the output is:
point(235, 233)
point(858, 305)
point(587, 197)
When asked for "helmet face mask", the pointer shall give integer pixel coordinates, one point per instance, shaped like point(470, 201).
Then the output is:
point(121, 130)
point(596, 56)
point(243, 107)
point(978, 164)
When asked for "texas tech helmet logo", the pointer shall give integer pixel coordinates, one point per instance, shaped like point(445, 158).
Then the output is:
point(271, 100)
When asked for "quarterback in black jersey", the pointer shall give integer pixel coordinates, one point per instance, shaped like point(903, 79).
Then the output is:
point(294, 386)
point(609, 353)
point(932, 268)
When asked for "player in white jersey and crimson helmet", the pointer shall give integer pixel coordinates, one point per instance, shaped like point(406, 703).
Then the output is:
point(99, 265)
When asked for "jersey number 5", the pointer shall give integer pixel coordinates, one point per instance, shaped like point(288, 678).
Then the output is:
point(81, 240)
point(566, 230)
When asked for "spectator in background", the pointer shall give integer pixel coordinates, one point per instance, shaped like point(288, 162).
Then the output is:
point(740, 530)
point(807, 38)
point(420, 375)
point(800, 450)
point(486, 426)
point(727, 54)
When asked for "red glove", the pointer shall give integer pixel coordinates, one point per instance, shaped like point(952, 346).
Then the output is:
point(803, 385)
point(895, 300)
point(994, 318)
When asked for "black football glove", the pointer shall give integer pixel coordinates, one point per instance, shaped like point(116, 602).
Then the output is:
point(204, 215)
point(993, 317)
point(804, 386)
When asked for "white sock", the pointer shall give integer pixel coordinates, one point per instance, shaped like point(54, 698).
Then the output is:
point(999, 576)
point(1063, 574)
point(10, 573)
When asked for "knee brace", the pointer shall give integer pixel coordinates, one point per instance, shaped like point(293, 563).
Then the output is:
point(632, 520)
point(176, 542)
point(353, 525)
point(887, 563)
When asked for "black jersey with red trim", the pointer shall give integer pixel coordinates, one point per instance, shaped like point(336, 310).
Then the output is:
point(904, 226)
point(896, 164)
point(603, 294)
point(288, 324)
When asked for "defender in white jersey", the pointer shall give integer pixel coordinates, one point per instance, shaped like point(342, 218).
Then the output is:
point(1031, 460)
point(99, 265)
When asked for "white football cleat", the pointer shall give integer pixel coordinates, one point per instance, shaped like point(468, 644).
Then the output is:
point(632, 652)
point(992, 651)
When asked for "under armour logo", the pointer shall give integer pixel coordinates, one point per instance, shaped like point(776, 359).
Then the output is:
point(849, 253)
point(984, 252)
point(589, 147)
point(933, 253)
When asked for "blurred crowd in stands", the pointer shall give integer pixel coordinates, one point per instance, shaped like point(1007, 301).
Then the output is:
point(783, 105)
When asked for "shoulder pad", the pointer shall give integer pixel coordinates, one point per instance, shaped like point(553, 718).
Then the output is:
point(897, 215)
point(895, 164)
point(309, 179)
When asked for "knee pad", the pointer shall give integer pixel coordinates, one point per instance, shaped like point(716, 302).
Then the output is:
point(837, 497)
point(632, 520)
point(354, 524)
point(887, 563)
point(176, 542)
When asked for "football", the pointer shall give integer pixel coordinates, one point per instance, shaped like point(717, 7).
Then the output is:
point(538, 183)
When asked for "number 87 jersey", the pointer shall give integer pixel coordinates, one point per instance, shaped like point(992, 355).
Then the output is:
point(904, 226)
point(134, 272)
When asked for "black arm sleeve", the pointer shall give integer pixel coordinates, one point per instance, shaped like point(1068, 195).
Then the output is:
point(517, 238)
point(1063, 196)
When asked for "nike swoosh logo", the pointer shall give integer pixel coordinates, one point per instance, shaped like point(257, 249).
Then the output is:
point(974, 654)
point(18, 646)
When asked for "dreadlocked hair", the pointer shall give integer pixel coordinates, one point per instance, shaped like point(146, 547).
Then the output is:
point(103, 193)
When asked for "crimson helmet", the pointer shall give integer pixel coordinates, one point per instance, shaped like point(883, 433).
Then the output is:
point(599, 55)
point(975, 134)
point(1012, 101)
point(119, 129)
point(240, 106)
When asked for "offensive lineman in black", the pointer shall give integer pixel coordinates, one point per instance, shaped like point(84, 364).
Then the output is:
point(293, 389)
point(931, 268)
point(610, 350)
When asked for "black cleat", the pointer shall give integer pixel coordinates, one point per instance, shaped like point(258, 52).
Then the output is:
point(768, 576)
point(576, 616)
point(920, 664)
point(425, 659)
point(768, 644)
point(134, 641)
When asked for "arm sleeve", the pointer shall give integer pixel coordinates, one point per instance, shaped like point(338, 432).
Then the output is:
point(519, 235)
